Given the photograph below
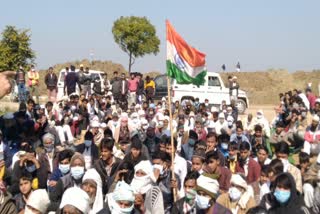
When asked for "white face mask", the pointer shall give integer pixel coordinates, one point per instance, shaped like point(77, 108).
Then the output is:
point(135, 120)
point(145, 127)
point(141, 184)
point(115, 123)
point(160, 167)
point(234, 193)
point(202, 202)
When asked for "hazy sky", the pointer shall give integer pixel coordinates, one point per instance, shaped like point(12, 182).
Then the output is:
point(261, 34)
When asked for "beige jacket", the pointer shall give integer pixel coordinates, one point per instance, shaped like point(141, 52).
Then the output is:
point(295, 172)
point(225, 201)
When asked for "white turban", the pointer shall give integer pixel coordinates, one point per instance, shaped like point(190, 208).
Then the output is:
point(39, 200)
point(76, 197)
point(92, 174)
point(238, 181)
point(123, 192)
point(208, 184)
point(144, 166)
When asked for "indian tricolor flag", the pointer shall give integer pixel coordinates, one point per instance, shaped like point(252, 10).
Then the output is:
point(184, 63)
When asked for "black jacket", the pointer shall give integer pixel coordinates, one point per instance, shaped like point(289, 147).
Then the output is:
point(107, 180)
point(295, 204)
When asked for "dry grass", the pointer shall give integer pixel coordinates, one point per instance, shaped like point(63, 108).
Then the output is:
point(264, 87)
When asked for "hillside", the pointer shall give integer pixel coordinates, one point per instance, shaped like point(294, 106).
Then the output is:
point(262, 87)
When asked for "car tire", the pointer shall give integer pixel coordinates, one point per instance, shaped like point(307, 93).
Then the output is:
point(242, 106)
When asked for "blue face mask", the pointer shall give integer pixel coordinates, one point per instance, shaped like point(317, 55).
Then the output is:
point(77, 172)
point(224, 146)
point(282, 196)
point(31, 168)
point(87, 143)
point(191, 142)
point(64, 168)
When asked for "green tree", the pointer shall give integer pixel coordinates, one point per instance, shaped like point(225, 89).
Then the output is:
point(136, 36)
point(15, 48)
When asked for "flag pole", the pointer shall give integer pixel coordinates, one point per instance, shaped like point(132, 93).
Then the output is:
point(174, 190)
point(172, 140)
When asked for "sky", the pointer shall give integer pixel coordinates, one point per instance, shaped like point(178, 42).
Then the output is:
point(261, 35)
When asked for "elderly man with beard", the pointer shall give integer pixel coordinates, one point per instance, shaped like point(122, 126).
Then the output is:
point(74, 201)
point(92, 184)
point(312, 137)
point(148, 198)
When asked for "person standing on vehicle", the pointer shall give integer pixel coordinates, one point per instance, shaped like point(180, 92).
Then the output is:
point(51, 81)
point(132, 85)
point(234, 89)
point(21, 83)
point(85, 81)
point(149, 87)
point(140, 88)
point(33, 83)
point(124, 93)
point(116, 87)
point(72, 79)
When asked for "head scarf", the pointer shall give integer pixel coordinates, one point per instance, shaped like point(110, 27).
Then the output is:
point(144, 183)
point(39, 200)
point(209, 185)
point(92, 174)
point(122, 192)
point(77, 198)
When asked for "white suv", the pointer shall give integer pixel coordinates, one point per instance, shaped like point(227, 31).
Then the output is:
point(213, 89)
point(62, 76)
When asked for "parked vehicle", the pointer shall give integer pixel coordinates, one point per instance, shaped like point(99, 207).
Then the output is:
point(214, 90)
point(62, 75)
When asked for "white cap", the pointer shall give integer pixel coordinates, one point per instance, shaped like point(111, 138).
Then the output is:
point(76, 197)
point(95, 124)
point(221, 115)
point(315, 118)
point(134, 115)
point(103, 125)
point(39, 200)
point(214, 109)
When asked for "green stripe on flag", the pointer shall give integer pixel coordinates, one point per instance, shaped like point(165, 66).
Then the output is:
point(182, 77)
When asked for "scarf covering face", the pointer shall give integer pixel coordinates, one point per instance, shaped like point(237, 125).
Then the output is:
point(92, 174)
point(142, 184)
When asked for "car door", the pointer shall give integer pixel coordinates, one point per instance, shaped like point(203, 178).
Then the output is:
point(214, 90)
point(161, 89)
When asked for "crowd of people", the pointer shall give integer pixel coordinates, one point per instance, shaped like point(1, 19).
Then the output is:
point(110, 151)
